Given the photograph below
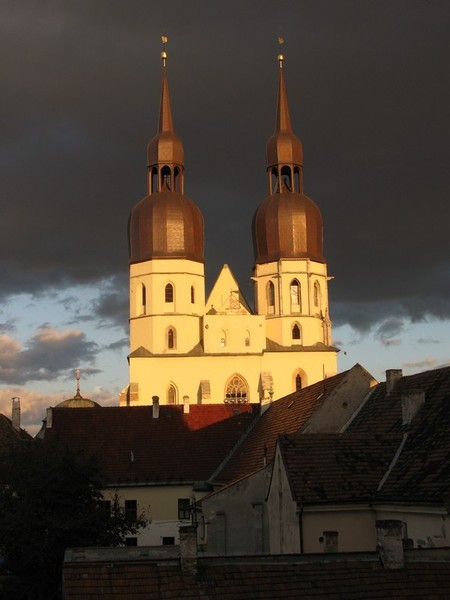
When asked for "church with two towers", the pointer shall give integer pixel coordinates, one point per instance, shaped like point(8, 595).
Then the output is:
point(189, 349)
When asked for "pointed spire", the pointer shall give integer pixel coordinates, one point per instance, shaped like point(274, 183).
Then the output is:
point(283, 122)
point(165, 149)
point(165, 110)
point(283, 148)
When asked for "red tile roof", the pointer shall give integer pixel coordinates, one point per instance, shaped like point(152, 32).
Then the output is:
point(422, 469)
point(133, 447)
point(314, 577)
point(324, 468)
point(8, 434)
point(286, 415)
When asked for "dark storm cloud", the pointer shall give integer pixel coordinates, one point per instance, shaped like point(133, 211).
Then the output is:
point(368, 86)
point(47, 355)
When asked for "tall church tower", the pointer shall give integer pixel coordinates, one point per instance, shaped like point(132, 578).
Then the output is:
point(290, 273)
point(167, 287)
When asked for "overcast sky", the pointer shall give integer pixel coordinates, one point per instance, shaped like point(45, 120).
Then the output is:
point(368, 86)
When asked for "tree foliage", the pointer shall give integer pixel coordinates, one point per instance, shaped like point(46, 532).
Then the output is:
point(50, 500)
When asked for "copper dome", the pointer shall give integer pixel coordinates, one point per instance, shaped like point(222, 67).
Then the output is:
point(287, 225)
point(166, 225)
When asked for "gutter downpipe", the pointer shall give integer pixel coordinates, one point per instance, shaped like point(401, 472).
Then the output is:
point(300, 526)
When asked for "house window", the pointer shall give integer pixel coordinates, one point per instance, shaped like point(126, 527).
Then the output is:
point(168, 294)
point(131, 510)
point(168, 541)
point(295, 332)
point(184, 509)
point(236, 390)
point(131, 541)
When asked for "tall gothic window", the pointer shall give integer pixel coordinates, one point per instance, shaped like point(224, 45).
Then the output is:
point(296, 332)
point(171, 394)
point(298, 382)
point(295, 296)
point(270, 294)
point(171, 338)
point(236, 390)
point(317, 294)
point(168, 293)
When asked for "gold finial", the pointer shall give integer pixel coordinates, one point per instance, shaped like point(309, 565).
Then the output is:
point(280, 56)
point(164, 53)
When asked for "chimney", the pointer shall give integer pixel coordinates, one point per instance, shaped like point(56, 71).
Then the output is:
point(330, 541)
point(186, 405)
point(188, 549)
point(392, 376)
point(15, 413)
point(155, 407)
point(412, 401)
point(390, 543)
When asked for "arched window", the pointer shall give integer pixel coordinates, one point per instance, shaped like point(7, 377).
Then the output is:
point(286, 179)
point(223, 339)
point(236, 390)
point(171, 394)
point(299, 380)
point(171, 338)
point(192, 294)
point(168, 293)
point(166, 178)
point(296, 332)
point(317, 294)
point(296, 302)
point(270, 294)
point(141, 299)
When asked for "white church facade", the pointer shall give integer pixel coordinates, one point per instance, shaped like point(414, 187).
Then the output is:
point(186, 348)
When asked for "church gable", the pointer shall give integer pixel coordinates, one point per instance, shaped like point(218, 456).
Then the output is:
point(226, 297)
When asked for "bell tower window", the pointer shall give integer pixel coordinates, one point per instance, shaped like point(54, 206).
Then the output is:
point(296, 334)
point(192, 294)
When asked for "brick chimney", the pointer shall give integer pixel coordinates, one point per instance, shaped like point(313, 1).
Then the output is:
point(155, 407)
point(15, 413)
point(392, 376)
point(412, 401)
point(330, 541)
point(390, 543)
point(188, 549)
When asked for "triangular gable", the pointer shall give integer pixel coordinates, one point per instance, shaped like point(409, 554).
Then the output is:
point(226, 297)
